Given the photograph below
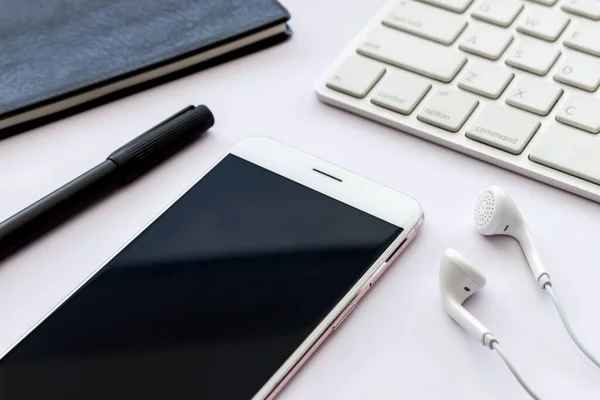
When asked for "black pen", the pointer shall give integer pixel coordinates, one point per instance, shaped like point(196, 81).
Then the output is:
point(121, 167)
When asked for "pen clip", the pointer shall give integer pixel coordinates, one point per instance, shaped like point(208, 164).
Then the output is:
point(174, 116)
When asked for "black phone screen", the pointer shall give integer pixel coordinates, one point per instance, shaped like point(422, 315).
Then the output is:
point(208, 301)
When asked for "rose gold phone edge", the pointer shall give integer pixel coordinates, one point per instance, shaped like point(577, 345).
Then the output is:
point(357, 191)
point(345, 312)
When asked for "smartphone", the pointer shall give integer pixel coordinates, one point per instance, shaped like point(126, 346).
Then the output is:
point(227, 292)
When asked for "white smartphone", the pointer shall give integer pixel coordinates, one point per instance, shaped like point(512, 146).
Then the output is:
point(227, 292)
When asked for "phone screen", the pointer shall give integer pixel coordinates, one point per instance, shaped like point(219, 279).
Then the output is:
point(206, 303)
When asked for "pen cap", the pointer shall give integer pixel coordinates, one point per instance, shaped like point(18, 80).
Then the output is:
point(158, 143)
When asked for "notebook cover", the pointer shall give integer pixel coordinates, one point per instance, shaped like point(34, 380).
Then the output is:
point(55, 49)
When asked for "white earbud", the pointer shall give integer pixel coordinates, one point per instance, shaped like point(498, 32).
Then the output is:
point(497, 214)
point(459, 280)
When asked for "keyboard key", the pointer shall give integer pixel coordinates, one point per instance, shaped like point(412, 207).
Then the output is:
point(399, 49)
point(586, 8)
point(581, 111)
point(497, 12)
point(486, 41)
point(585, 37)
point(486, 79)
point(356, 77)
point(533, 56)
point(458, 6)
point(545, 2)
point(544, 24)
point(400, 92)
point(570, 151)
point(448, 109)
point(504, 128)
point(581, 71)
point(426, 21)
point(534, 95)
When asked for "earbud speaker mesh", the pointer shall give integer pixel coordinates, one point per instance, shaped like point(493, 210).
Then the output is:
point(484, 209)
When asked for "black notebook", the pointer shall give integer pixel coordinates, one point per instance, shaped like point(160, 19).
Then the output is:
point(61, 54)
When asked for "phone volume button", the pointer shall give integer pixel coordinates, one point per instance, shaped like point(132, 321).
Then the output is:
point(378, 274)
point(344, 315)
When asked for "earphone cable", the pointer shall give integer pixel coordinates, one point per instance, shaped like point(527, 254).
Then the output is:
point(514, 371)
point(568, 327)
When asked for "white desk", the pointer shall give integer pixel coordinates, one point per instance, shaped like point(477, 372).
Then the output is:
point(399, 344)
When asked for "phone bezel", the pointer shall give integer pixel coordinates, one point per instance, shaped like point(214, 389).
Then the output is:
point(368, 196)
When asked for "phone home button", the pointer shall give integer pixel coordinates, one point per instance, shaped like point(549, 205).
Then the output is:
point(342, 317)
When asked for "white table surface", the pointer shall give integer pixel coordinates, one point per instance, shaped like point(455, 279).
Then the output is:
point(399, 343)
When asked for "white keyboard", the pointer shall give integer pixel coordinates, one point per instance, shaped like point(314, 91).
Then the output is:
point(511, 82)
